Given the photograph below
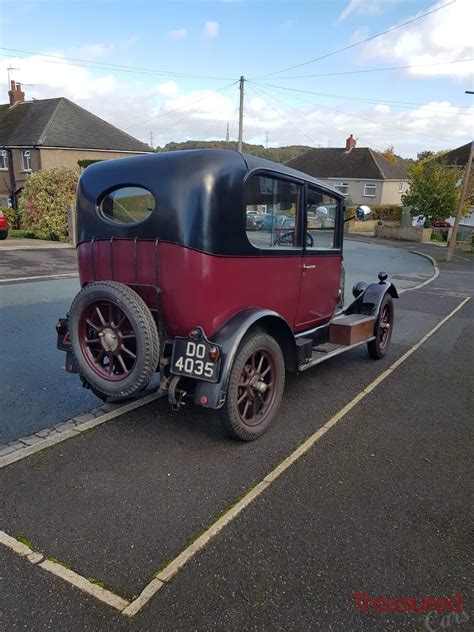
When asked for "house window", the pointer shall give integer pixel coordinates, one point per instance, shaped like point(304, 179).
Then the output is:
point(400, 187)
point(26, 159)
point(3, 160)
point(342, 187)
point(369, 190)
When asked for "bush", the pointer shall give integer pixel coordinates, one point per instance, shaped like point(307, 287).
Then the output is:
point(385, 212)
point(27, 234)
point(10, 214)
point(45, 199)
point(86, 162)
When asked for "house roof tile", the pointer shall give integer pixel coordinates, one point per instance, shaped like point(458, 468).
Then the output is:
point(61, 123)
point(335, 162)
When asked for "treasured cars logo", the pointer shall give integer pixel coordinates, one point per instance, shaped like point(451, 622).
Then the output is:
point(441, 612)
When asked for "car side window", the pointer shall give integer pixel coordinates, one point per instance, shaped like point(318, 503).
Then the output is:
point(321, 218)
point(271, 212)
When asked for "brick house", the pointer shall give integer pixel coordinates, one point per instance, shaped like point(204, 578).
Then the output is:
point(359, 172)
point(49, 133)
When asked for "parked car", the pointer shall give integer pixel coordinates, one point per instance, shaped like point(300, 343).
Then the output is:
point(272, 220)
point(173, 283)
point(3, 226)
point(257, 218)
point(442, 223)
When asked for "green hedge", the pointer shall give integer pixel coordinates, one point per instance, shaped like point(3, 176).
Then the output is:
point(384, 212)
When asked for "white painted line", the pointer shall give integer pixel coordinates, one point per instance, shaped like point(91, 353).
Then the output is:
point(74, 432)
point(185, 556)
point(104, 595)
point(147, 593)
point(430, 280)
point(171, 569)
point(42, 277)
point(15, 545)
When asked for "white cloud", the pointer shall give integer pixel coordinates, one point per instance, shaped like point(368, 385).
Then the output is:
point(168, 89)
point(210, 29)
point(178, 34)
point(141, 105)
point(366, 7)
point(359, 34)
point(442, 36)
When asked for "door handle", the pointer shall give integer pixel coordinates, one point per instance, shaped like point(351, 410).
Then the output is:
point(305, 267)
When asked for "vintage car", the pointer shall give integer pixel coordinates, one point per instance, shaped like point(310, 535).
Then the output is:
point(174, 284)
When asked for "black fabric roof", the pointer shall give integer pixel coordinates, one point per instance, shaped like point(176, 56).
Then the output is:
point(360, 163)
point(61, 123)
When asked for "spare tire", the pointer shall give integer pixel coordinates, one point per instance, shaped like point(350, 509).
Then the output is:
point(114, 339)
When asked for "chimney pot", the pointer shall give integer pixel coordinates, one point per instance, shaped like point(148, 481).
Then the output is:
point(350, 143)
point(15, 93)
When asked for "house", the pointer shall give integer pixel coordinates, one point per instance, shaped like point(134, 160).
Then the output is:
point(456, 157)
point(360, 173)
point(47, 133)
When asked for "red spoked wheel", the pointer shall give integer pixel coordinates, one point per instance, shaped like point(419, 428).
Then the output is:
point(114, 339)
point(255, 387)
point(108, 340)
point(383, 329)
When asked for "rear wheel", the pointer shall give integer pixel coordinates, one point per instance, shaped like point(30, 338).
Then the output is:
point(383, 330)
point(256, 385)
point(114, 339)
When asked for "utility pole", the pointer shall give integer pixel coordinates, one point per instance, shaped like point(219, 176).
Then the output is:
point(151, 140)
point(241, 112)
point(454, 233)
point(227, 134)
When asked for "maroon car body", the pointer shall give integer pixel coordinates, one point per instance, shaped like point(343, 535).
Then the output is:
point(174, 282)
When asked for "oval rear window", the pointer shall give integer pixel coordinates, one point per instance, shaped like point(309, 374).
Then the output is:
point(127, 205)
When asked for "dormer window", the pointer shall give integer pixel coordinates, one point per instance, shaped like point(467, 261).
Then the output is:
point(26, 159)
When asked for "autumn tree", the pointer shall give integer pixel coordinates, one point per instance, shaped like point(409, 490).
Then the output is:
point(389, 154)
point(433, 190)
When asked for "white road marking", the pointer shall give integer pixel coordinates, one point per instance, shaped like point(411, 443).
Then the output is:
point(131, 608)
point(74, 432)
point(185, 556)
point(73, 578)
point(42, 277)
point(436, 273)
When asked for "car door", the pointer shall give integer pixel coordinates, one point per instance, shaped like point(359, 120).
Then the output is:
point(321, 261)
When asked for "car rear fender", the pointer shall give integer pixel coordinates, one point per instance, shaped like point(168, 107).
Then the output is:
point(229, 337)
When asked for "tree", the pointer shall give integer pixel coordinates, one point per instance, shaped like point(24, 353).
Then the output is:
point(389, 154)
point(45, 198)
point(432, 189)
point(423, 155)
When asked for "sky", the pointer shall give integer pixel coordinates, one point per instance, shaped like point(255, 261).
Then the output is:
point(169, 71)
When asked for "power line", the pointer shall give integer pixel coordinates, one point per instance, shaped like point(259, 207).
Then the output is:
point(402, 129)
point(85, 63)
point(165, 129)
point(364, 41)
point(172, 111)
point(387, 68)
point(375, 101)
point(259, 93)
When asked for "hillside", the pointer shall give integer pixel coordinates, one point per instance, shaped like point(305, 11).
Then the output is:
point(277, 154)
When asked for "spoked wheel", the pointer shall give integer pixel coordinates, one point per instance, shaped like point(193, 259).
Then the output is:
point(255, 388)
point(383, 330)
point(114, 338)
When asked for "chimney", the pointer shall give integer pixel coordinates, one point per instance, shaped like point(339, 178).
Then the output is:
point(350, 143)
point(15, 93)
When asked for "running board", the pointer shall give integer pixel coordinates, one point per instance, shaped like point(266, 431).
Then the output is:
point(326, 351)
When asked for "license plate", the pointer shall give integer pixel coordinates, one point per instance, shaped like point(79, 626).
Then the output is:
point(191, 359)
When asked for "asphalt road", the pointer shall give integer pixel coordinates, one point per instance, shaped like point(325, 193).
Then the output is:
point(36, 391)
point(380, 505)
